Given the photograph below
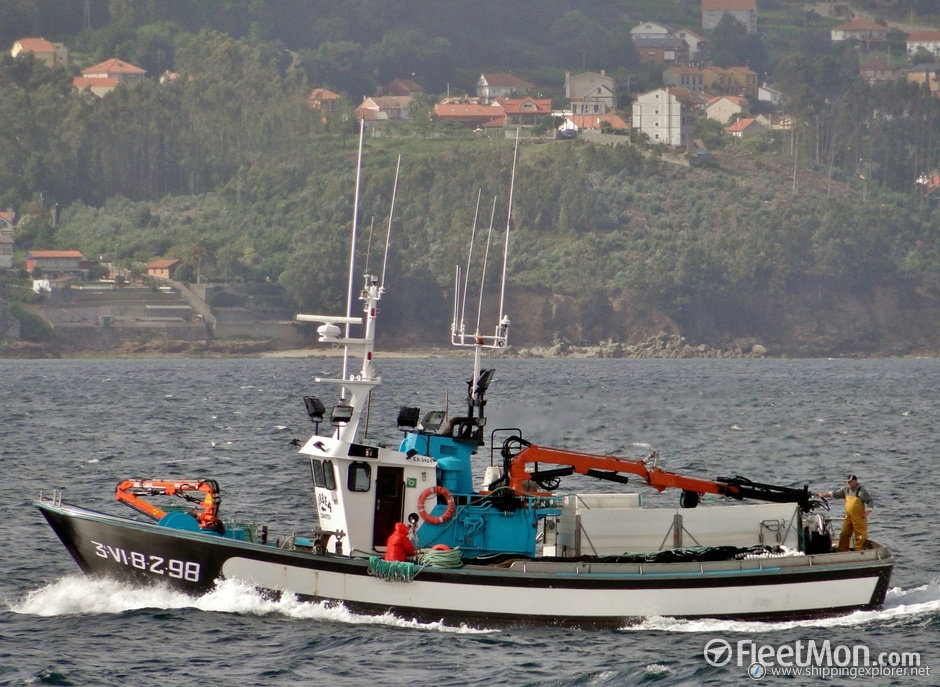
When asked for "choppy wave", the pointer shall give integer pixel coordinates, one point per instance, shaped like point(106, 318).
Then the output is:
point(76, 595)
point(899, 604)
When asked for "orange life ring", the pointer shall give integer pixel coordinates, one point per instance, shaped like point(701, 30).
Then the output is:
point(436, 519)
point(440, 547)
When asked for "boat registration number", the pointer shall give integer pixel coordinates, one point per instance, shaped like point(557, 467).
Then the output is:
point(158, 565)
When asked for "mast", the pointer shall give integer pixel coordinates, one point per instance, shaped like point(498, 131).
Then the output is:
point(480, 379)
point(352, 246)
point(354, 388)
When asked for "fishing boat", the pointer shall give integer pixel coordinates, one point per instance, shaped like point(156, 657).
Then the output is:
point(497, 537)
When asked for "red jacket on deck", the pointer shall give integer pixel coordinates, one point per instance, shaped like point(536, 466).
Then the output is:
point(399, 546)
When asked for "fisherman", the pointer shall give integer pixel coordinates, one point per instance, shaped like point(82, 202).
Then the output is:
point(858, 504)
point(398, 546)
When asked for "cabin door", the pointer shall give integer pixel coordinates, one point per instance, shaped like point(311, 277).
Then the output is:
point(389, 503)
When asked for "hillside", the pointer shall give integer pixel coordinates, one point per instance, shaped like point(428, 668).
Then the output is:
point(225, 165)
point(608, 245)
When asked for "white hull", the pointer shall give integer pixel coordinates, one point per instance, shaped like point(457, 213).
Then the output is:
point(585, 592)
point(639, 596)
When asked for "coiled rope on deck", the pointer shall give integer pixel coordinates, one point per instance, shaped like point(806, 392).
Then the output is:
point(405, 571)
point(441, 558)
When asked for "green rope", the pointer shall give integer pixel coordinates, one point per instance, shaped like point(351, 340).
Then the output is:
point(392, 571)
point(441, 559)
point(406, 571)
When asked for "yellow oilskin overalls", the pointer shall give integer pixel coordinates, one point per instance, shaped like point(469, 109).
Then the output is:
point(855, 523)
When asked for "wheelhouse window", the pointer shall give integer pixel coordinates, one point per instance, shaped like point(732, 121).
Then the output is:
point(316, 470)
point(323, 474)
point(359, 476)
point(329, 477)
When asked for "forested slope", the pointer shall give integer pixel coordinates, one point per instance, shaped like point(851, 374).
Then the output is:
point(228, 168)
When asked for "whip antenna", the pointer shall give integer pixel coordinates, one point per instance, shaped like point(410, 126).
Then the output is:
point(473, 233)
point(391, 212)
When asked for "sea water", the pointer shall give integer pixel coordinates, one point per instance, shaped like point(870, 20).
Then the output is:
point(82, 426)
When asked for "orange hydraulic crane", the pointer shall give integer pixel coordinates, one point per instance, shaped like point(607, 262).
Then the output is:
point(518, 454)
point(207, 503)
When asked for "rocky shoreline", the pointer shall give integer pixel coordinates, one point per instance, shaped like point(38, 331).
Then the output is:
point(663, 345)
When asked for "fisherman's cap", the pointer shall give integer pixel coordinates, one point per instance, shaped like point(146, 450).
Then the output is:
point(850, 476)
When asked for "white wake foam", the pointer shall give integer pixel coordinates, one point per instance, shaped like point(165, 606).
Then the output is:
point(899, 603)
point(76, 595)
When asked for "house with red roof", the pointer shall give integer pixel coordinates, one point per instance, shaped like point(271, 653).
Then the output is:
point(742, 11)
point(323, 99)
point(927, 40)
point(584, 122)
point(57, 263)
point(747, 127)
point(384, 108)
point(402, 87)
point(162, 268)
point(104, 77)
point(525, 111)
point(470, 112)
point(863, 31)
point(7, 219)
point(50, 54)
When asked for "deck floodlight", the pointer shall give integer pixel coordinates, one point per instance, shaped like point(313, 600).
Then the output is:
point(341, 414)
point(433, 420)
point(408, 417)
point(315, 408)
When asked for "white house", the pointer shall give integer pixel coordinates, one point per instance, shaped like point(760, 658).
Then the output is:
point(650, 29)
point(723, 107)
point(861, 30)
point(591, 92)
point(766, 94)
point(500, 85)
point(666, 115)
point(928, 40)
point(696, 43)
point(50, 54)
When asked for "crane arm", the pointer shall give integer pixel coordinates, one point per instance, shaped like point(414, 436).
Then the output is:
point(613, 466)
point(205, 494)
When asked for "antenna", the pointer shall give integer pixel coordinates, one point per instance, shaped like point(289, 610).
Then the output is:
point(352, 253)
point(499, 339)
point(512, 187)
point(369, 243)
point(486, 260)
point(466, 280)
point(391, 212)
